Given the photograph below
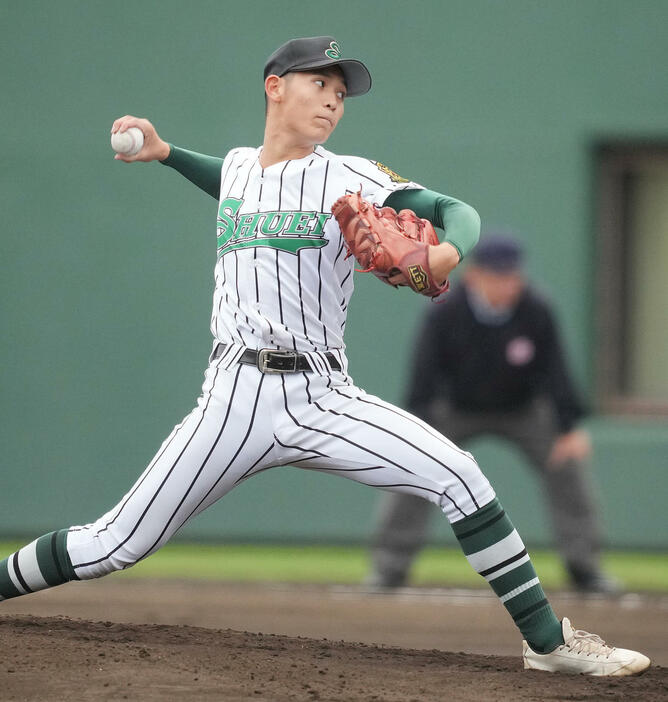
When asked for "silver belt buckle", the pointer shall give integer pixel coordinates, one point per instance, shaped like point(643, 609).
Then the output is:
point(264, 357)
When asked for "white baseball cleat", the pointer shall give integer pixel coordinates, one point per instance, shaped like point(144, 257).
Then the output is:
point(585, 653)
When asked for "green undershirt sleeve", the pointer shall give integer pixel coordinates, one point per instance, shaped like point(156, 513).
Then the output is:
point(459, 220)
point(200, 169)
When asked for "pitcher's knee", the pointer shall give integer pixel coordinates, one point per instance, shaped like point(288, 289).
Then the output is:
point(466, 489)
point(95, 555)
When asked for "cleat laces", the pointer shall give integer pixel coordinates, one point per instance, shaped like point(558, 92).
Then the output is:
point(589, 644)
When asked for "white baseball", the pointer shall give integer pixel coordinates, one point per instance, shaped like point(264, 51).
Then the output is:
point(129, 142)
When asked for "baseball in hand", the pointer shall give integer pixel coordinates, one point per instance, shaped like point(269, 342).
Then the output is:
point(129, 142)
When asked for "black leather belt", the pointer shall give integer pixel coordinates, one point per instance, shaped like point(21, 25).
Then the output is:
point(275, 360)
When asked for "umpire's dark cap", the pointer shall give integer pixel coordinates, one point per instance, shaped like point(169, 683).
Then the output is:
point(311, 53)
point(500, 253)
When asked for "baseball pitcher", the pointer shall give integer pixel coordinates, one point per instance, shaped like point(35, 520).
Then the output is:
point(292, 219)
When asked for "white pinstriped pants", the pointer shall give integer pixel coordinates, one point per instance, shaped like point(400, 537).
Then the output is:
point(246, 422)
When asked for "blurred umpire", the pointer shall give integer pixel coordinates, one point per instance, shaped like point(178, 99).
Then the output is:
point(489, 361)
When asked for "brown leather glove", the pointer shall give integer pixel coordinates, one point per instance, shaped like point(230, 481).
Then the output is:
point(387, 243)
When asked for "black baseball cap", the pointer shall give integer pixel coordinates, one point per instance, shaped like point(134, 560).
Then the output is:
point(310, 53)
point(500, 253)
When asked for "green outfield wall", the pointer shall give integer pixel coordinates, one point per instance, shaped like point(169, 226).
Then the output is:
point(107, 268)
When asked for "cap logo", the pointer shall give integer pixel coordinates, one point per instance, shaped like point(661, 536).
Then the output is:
point(334, 51)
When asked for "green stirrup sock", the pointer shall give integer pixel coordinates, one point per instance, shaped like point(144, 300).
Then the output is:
point(41, 564)
point(495, 550)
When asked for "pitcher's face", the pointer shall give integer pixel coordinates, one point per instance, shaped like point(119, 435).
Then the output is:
point(312, 104)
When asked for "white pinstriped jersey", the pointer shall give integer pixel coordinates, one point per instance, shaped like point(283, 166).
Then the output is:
point(282, 279)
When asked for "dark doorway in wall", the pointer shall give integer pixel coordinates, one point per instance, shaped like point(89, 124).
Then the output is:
point(631, 262)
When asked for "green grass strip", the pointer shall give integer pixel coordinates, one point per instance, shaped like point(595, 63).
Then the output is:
point(349, 564)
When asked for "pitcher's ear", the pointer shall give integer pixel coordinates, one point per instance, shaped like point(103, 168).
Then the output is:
point(274, 87)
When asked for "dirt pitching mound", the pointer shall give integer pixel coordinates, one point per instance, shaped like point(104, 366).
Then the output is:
point(58, 658)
